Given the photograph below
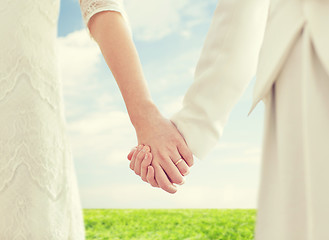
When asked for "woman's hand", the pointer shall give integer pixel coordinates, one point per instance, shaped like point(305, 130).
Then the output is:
point(167, 146)
point(142, 153)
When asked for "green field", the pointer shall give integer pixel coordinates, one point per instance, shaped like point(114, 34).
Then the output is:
point(170, 224)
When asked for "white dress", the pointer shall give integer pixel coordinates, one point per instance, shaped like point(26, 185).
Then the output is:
point(39, 197)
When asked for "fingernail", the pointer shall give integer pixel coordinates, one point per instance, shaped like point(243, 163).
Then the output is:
point(188, 171)
point(139, 147)
point(182, 182)
point(144, 149)
point(146, 156)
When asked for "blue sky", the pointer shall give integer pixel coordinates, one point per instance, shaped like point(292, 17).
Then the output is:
point(98, 125)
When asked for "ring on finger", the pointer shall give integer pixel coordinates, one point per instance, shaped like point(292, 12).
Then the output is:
point(179, 160)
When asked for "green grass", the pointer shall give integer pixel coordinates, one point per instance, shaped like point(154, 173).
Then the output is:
point(170, 224)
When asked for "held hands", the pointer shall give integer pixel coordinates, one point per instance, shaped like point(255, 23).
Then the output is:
point(140, 156)
point(168, 147)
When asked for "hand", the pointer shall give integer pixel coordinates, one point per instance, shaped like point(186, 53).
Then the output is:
point(142, 153)
point(167, 146)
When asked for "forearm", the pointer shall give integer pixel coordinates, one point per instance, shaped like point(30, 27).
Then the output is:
point(110, 31)
point(226, 66)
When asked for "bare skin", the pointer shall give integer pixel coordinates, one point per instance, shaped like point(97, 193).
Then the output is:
point(146, 171)
point(110, 31)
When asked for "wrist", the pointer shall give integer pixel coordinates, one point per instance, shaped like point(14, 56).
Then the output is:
point(143, 113)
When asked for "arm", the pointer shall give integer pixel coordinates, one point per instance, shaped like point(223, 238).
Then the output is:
point(112, 35)
point(111, 31)
point(109, 27)
point(227, 64)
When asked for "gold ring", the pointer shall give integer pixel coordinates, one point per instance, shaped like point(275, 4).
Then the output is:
point(179, 160)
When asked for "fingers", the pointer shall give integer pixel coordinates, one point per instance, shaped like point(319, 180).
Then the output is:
point(186, 154)
point(171, 170)
point(164, 173)
point(144, 166)
point(163, 180)
point(130, 155)
point(181, 165)
point(183, 149)
point(150, 177)
point(133, 159)
point(139, 158)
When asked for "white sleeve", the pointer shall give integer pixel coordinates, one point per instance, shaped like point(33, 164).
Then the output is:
point(91, 7)
point(227, 64)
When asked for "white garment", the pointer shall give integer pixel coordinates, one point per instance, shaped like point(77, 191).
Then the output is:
point(39, 197)
point(246, 37)
point(249, 37)
point(293, 199)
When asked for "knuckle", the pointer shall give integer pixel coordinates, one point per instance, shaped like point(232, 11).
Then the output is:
point(161, 155)
point(145, 164)
point(173, 150)
point(140, 156)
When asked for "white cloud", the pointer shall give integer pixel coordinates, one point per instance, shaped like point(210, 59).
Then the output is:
point(97, 128)
point(104, 135)
point(78, 58)
point(174, 76)
point(153, 20)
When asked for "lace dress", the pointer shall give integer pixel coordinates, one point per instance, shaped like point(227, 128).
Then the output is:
point(39, 198)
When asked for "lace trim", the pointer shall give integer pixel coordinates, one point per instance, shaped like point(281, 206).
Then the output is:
point(22, 215)
point(30, 52)
point(91, 7)
point(49, 9)
point(23, 69)
point(33, 134)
